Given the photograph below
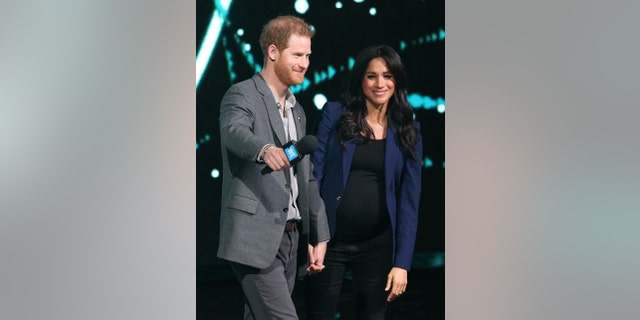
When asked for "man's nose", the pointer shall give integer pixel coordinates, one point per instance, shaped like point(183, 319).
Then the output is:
point(304, 63)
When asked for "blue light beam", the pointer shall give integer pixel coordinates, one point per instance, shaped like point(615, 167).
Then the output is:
point(211, 37)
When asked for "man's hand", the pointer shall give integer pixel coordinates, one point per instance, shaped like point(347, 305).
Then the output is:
point(275, 158)
point(316, 257)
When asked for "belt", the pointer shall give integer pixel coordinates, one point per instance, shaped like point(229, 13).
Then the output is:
point(291, 225)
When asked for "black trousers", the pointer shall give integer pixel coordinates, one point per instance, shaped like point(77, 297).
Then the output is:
point(369, 263)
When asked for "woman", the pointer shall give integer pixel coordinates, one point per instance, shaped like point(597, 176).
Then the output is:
point(368, 165)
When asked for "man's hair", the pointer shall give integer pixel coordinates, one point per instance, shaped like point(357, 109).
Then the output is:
point(279, 30)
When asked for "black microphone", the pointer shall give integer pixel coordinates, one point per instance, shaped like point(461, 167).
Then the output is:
point(295, 151)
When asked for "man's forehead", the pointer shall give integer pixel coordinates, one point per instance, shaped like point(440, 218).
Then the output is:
point(299, 40)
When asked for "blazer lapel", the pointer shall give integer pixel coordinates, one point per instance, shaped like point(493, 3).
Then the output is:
point(392, 156)
point(300, 121)
point(271, 108)
point(275, 120)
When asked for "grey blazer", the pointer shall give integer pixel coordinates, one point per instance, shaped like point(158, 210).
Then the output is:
point(253, 213)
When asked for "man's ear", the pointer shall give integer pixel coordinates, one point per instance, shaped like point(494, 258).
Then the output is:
point(273, 52)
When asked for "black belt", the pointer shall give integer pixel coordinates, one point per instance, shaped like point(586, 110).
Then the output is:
point(291, 225)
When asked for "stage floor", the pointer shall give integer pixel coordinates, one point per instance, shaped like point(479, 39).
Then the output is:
point(219, 296)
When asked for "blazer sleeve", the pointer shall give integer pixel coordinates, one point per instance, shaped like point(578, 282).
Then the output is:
point(319, 226)
point(408, 205)
point(237, 120)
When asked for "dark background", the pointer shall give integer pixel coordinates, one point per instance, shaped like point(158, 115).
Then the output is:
point(415, 29)
point(340, 35)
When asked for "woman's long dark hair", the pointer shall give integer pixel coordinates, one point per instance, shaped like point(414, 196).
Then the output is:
point(399, 112)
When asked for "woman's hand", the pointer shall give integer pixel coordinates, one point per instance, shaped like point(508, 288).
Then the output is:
point(397, 282)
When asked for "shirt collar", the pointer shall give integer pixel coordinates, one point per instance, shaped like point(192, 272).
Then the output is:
point(290, 100)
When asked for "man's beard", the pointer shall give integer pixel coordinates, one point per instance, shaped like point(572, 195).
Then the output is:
point(286, 75)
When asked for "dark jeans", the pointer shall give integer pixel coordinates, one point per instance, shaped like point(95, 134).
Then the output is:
point(369, 263)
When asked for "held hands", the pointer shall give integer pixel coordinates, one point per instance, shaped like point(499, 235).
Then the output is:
point(316, 258)
point(275, 158)
point(397, 282)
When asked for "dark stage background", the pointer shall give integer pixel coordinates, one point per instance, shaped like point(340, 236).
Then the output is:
point(414, 28)
point(228, 52)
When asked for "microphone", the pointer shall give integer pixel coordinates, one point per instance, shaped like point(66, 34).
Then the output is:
point(295, 151)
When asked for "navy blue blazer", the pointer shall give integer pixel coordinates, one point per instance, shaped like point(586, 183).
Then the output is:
point(402, 180)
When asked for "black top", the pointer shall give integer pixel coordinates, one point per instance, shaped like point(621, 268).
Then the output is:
point(363, 213)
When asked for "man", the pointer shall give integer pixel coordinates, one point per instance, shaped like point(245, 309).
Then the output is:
point(265, 214)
